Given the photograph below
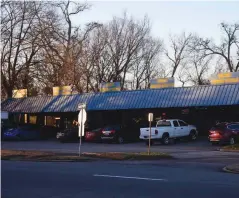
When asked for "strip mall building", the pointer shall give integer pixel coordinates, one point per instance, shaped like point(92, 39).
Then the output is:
point(199, 105)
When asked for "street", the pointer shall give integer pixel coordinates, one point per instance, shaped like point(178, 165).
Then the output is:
point(112, 180)
point(200, 150)
point(195, 172)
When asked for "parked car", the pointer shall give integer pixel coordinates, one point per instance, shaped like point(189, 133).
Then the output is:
point(224, 133)
point(120, 133)
point(49, 131)
point(24, 132)
point(5, 125)
point(93, 135)
point(68, 135)
point(168, 129)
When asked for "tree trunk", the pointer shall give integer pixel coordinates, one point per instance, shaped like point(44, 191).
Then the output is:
point(9, 92)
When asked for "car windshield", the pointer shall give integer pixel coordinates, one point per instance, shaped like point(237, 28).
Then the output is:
point(163, 123)
point(113, 127)
point(219, 126)
point(96, 130)
point(9, 125)
point(28, 126)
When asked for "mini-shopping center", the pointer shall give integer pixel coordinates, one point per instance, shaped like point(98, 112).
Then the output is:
point(199, 105)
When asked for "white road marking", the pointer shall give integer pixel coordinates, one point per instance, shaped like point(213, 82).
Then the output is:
point(125, 177)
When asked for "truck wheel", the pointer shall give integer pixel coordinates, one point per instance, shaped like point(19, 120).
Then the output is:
point(193, 135)
point(165, 139)
point(147, 142)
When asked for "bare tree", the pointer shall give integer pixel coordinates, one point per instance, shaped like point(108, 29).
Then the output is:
point(228, 49)
point(183, 74)
point(199, 68)
point(119, 47)
point(63, 43)
point(179, 50)
point(147, 65)
point(18, 43)
point(126, 38)
point(101, 59)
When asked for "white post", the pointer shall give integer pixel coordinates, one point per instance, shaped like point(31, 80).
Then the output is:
point(81, 121)
point(81, 124)
point(149, 138)
point(150, 119)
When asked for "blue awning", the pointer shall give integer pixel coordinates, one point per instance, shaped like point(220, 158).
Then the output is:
point(210, 95)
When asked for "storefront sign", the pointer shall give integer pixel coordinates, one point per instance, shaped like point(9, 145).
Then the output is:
point(65, 90)
point(161, 83)
point(19, 93)
point(225, 78)
point(109, 86)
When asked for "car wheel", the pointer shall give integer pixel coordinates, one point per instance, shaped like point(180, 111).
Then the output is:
point(165, 139)
point(20, 137)
point(120, 140)
point(147, 143)
point(193, 136)
point(232, 141)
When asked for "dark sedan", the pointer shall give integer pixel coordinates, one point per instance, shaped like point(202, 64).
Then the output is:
point(25, 132)
point(120, 133)
point(48, 132)
point(68, 135)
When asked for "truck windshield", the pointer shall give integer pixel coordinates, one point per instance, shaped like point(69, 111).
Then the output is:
point(163, 123)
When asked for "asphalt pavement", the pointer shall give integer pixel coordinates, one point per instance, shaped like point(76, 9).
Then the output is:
point(167, 179)
point(201, 150)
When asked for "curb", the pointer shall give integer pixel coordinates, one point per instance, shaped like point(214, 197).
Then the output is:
point(225, 169)
point(34, 160)
point(87, 160)
point(47, 160)
point(229, 150)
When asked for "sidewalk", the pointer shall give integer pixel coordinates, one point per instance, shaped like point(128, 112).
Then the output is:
point(234, 168)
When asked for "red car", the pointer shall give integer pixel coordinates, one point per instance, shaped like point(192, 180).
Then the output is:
point(94, 135)
point(224, 133)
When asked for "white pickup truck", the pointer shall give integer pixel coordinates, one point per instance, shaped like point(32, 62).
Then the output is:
point(168, 129)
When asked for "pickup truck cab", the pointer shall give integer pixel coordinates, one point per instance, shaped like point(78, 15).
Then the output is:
point(169, 129)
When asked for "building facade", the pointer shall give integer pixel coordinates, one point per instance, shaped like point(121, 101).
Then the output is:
point(199, 105)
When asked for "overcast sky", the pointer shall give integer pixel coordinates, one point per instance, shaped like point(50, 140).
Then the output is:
point(169, 17)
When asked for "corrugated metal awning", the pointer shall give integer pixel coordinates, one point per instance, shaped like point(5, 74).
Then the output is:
point(217, 95)
point(46, 104)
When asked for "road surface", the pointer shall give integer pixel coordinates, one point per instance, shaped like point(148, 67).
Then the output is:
point(201, 149)
point(166, 179)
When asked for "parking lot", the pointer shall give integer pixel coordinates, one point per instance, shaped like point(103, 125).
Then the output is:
point(200, 149)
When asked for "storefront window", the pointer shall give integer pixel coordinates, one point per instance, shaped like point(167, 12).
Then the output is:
point(25, 118)
point(32, 119)
point(50, 121)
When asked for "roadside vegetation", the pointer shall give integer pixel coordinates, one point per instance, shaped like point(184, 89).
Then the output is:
point(130, 156)
point(232, 147)
point(51, 156)
point(39, 156)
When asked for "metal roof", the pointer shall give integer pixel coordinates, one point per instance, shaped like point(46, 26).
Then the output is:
point(45, 104)
point(216, 95)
